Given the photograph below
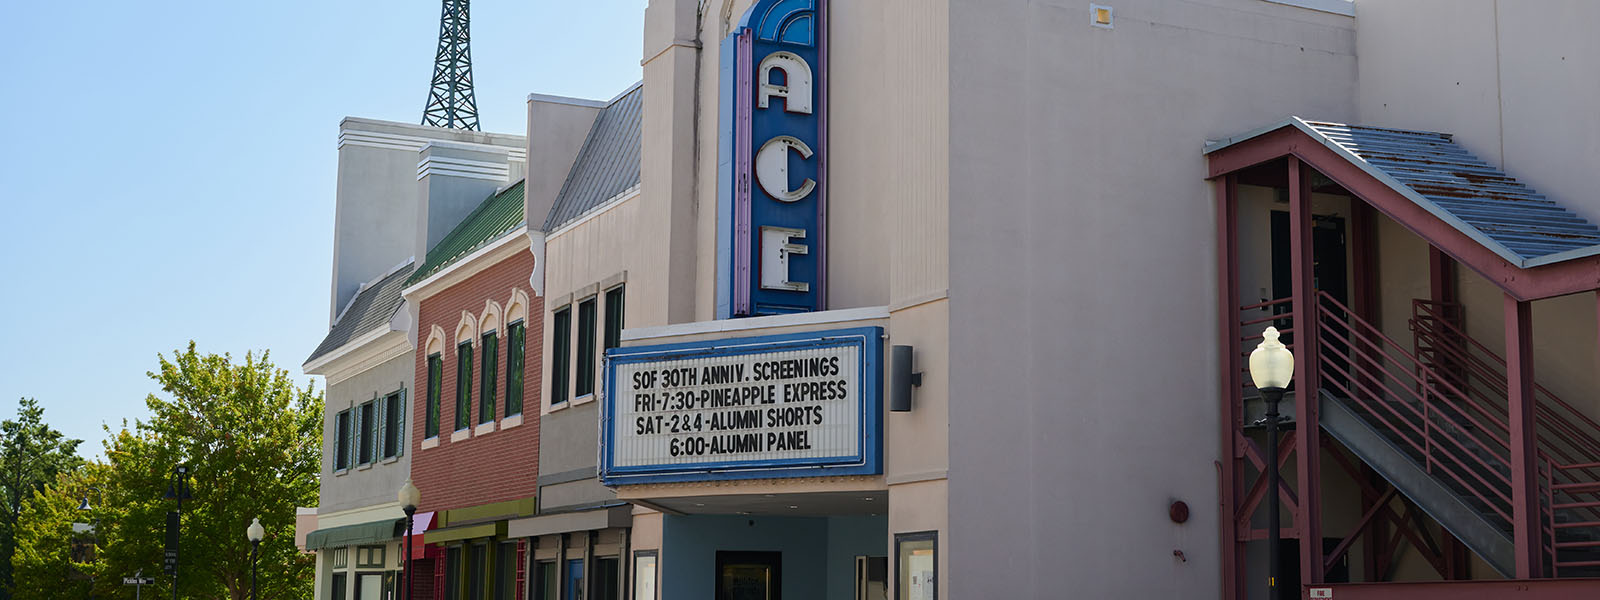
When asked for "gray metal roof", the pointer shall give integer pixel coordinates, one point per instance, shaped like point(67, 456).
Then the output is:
point(608, 163)
point(370, 309)
point(1441, 176)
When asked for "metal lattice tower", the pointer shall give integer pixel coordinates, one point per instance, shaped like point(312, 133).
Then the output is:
point(451, 102)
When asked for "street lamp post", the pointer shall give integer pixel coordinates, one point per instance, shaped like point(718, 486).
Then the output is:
point(1272, 368)
point(255, 532)
point(94, 533)
point(178, 490)
point(409, 497)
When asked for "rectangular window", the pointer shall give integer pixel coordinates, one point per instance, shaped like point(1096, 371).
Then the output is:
point(435, 390)
point(548, 582)
point(505, 571)
point(368, 432)
point(452, 573)
point(607, 580)
point(338, 584)
point(916, 565)
point(463, 386)
point(516, 335)
point(586, 322)
point(477, 567)
point(392, 424)
point(561, 355)
point(644, 575)
point(613, 336)
point(341, 444)
point(491, 375)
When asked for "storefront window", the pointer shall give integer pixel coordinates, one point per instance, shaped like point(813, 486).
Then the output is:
point(644, 575)
point(916, 565)
point(547, 581)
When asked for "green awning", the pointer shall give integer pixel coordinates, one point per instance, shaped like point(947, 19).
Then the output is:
point(351, 535)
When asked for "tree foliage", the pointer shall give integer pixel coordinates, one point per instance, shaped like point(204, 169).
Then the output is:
point(54, 558)
point(251, 440)
point(32, 456)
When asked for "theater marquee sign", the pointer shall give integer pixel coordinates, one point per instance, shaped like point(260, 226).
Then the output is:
point(778, 406)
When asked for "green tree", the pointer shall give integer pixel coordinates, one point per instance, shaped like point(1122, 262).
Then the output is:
point(251, 439)
point(32, 456)
point(55, 542)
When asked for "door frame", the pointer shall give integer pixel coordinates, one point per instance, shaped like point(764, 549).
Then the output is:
point(771, 559)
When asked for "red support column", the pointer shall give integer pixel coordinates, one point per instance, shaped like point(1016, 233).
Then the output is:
point(1232, 418)
point(1364, 253)
point(1524, 438)
point(1308, 445)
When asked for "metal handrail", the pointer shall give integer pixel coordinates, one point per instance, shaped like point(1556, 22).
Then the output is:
point(1383, 378)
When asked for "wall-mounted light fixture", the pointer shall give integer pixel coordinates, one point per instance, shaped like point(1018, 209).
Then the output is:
point(902, 379)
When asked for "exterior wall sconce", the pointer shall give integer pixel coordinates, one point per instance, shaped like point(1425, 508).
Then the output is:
point(902, 379)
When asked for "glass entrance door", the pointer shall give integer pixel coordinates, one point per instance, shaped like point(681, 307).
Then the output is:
point(749, 575)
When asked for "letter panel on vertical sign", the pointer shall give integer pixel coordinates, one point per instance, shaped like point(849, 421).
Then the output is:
point(773, 196)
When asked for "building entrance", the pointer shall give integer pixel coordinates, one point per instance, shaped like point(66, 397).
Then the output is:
point(749, 575)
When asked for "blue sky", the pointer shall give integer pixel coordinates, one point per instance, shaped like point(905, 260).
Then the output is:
point(168, 172)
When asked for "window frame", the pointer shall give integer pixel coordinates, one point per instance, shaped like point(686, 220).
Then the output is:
point(368, 432)
point(341, 441)
point(587, 347)
point(915, 536)
point(435, 366)
point(516, 365)
point(464, 385)
point(393, 442)
point(616, 304)
point(489, 374)
point(561, 355)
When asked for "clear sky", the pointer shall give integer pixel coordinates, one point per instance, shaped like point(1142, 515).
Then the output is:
point(168, 168)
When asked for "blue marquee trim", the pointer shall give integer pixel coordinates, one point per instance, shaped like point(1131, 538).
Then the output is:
point(867, 461)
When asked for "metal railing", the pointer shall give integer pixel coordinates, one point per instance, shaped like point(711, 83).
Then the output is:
point(1454, 437)
point(1568, 440)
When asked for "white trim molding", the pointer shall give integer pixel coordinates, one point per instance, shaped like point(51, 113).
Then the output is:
point(460, 167)
point(415, 143)
point(469, 265)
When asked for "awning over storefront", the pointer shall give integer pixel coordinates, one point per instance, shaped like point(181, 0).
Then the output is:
point(598, 518)
point(466, 532)
point(351, 535)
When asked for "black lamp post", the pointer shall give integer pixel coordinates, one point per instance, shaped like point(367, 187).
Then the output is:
point(255, 532)
point(409, 497)
point(1272, 369)
point(94, 532)
point(178, 490)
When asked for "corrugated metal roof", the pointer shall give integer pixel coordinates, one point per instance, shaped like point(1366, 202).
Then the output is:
point(369, 310)
point(498, 215)
point(1441, 176)
point(608, 163)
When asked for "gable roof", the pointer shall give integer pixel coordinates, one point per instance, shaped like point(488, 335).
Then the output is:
point(607, 165)
point(372, 308)
point(498, 215)
point(1484, 203)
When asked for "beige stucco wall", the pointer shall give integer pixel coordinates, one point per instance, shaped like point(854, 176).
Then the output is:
point(1514, 80)
point(1083, 278)
point(368, 485)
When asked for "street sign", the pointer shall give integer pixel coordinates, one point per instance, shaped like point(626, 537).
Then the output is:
point(138, 581)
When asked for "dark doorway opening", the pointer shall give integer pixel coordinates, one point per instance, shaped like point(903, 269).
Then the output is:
point(749, 575)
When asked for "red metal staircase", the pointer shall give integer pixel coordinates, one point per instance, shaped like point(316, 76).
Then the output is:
point(1432, 420)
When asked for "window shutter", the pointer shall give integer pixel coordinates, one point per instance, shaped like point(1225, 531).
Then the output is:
point(400, 423)
point(357, 424)
point(381, 414)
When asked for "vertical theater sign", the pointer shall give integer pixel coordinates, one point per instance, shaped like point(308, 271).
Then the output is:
point(772, 161)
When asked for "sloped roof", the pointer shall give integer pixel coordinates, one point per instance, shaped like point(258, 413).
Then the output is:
point(608, 163)
point(498, 215)
point(1442, 177)
point(370, 309)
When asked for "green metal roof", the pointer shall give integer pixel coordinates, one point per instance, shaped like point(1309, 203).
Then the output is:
point(499, 215)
